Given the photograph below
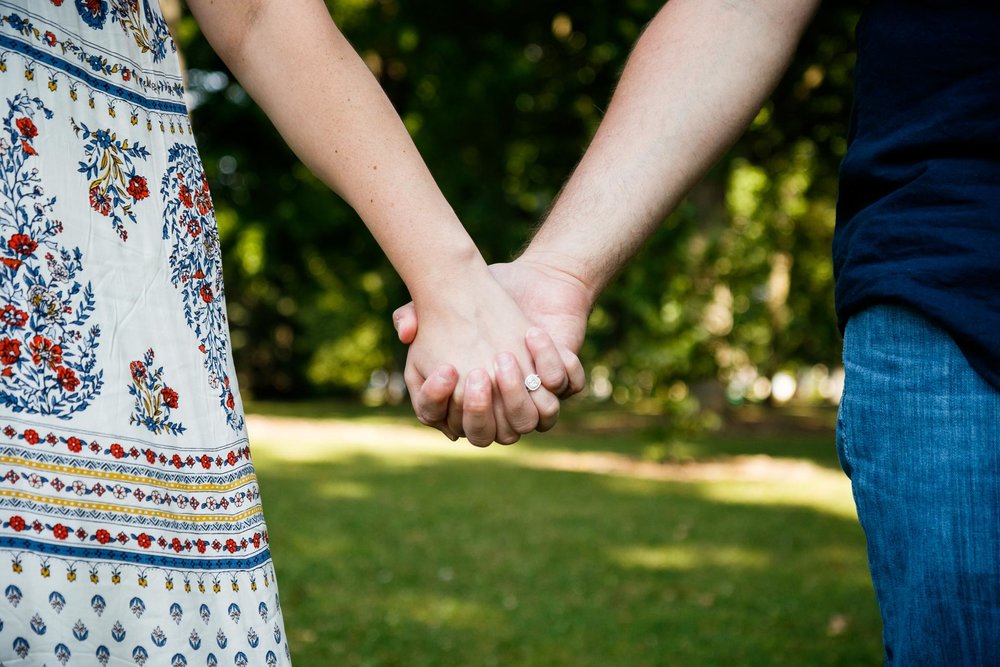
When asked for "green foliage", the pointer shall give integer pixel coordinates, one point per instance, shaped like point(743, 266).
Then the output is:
point(501, 98)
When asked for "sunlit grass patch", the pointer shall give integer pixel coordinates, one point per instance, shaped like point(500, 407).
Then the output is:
point(395, 546)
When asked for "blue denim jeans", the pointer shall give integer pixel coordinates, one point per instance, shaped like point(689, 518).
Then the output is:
point(919, 436)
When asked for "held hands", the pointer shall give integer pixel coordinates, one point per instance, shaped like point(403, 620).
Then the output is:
point(531, 319)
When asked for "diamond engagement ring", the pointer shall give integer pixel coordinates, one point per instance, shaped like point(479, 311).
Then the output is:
point(532, 382)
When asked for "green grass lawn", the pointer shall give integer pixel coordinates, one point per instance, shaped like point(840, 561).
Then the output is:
point(394, 546)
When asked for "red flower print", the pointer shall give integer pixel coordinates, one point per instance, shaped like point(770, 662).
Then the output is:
point(31, 436)
point(51, 438)
point(75, 444)
point(49, 38)
point(102, 536)
point(99, 201)
point(22, 244)
point(203, 200)
point(231, 546)
point(169, 397)
point(184, 194)
point(10, 351)
point(201, 545)
point(150, 456)
point(138, 370)
point(193, 227)
point(206, 461)
point(27, 128)
point(81, 533)
point(230, 401)
point(256, 540)
point(145, 541)
point(67, 378)
point(231, 458)
point(137, 188)
point(13, 317)
point(60, 532)
point(17, 523)
point(44, 350)
point(176, 545)
point(177, 461)
point(57, 3)
point(117, 451)
point(126, 74)
point(10, 263)
point(27, 148)
point(206, 293)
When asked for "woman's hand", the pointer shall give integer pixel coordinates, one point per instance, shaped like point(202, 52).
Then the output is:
point(554, 302)
point(470, 326)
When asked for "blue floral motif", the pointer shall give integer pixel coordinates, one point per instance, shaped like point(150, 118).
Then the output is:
point(48, 363)
point(145, 25)
point(93, 12)
point(62, 653)
point(80, 631)
point(115, 186)
point(196, 267)
point(153, 398)
point(21, 647)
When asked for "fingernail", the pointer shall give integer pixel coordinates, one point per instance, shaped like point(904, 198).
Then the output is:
point(506, 361)
point(395, 323)
point(535, 332)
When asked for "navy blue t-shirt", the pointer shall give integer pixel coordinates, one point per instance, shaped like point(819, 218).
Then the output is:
point(918, 220)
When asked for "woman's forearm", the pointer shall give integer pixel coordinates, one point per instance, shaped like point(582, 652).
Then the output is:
point(295, 63)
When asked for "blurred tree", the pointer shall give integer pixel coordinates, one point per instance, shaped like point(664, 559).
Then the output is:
point(501, 98)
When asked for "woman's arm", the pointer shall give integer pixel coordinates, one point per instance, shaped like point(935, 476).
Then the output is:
point(295, 63)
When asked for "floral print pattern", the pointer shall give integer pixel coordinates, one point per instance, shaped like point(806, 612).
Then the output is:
point(154, 400)
point(131, 527)
point(196, 267)
point(115, 186)
point(48, 361)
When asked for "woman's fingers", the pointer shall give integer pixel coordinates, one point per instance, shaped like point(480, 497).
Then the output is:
point(522, 415)
point(404, 320)
point(548, 362)
point(477, 409)
point(431, 397)
point(574, 371)
point(559, 369)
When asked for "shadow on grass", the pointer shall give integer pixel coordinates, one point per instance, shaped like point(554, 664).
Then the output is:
point(479, 562)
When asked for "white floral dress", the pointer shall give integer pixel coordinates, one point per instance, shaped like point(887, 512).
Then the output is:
point(131, 530)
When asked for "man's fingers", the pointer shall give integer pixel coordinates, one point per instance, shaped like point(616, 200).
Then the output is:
point(404, 320)
point(518, 407)
point(477, 409)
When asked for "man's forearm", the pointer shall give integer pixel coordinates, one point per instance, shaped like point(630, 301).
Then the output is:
point(696, 78)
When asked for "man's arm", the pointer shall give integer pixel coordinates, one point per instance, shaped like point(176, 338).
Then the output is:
point(696, 78)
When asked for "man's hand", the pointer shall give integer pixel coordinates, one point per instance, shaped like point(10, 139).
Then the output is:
point(557, 304)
